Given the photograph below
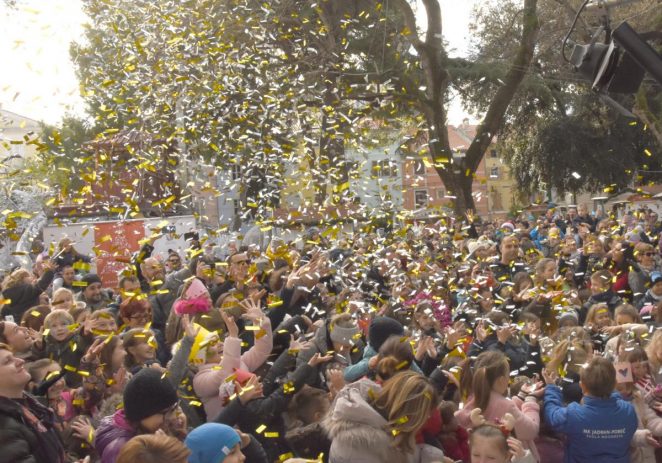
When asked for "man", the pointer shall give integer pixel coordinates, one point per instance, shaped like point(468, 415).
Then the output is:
point(162, 292)
point(93, 295)
point(27, 428)
point(20, 339)
point(238, 264)
point(174, 262)
point(507, 266)
point(129, 287)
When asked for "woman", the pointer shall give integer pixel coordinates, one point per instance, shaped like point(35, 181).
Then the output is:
point(140, 347)
point(149, 401)
point(644, 254)
point(67, 255)
point(23, 291)
point(370, 424)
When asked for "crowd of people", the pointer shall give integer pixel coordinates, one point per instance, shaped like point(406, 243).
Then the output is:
point(461, 340)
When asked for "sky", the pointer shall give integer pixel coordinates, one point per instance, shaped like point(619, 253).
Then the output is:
point(38, 78)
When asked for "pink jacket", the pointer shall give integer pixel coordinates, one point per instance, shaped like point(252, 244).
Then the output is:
point(210, 377)
point(527, 417)
point(647, 420)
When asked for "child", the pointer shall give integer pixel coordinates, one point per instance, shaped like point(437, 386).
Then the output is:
point(598, 318)
point(486, 388)
point(601, 292)
point(602, 427)
point(453, 438)
point(649, 424)
point(214, 443)
point(490, 444)
point(653, 295)
point(227, 355)
point(64, 344)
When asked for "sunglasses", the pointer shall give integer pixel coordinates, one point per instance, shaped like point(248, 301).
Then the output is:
point(649, 254)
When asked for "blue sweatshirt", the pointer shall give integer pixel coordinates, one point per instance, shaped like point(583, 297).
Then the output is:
point(600, 430)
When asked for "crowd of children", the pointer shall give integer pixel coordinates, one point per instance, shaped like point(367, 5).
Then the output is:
point(532, 341)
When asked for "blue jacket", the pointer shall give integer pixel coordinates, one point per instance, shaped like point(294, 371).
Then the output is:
point(600, 430)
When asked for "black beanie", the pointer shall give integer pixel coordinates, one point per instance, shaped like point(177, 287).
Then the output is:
point(382, 328)
point(91, 278)
point(147, 393)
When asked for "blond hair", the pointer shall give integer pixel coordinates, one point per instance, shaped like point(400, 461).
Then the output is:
point(58, 314)
point(651, 350)
point(60, 291)
point(15, 278)
point(593, 312)
point(406, 401)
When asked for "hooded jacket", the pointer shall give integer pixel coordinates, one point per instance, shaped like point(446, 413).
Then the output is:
point(27, 432)
point(113, 432)
point(358, 432)
point(600, 430)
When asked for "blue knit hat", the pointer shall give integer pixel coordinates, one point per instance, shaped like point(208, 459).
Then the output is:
point(211, 443)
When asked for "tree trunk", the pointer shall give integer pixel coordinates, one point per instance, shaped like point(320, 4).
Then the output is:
point(457, 175)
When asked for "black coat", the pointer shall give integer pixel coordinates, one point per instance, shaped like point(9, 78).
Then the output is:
point(267, 411)
point(23, 296)
point(27, 432)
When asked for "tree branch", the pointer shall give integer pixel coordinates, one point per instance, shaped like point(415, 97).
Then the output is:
point(504, 95)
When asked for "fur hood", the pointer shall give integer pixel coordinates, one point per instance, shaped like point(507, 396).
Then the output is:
point(356, 430)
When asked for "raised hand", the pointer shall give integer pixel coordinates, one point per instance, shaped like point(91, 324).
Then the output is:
point(253, 310)
point(252, 390)
point(94, 350)
point(516, 448)
point(549, 376)
point(189, 328)
point(82, 428)
point(230, 324)
point(318, 359)
point(297, 345)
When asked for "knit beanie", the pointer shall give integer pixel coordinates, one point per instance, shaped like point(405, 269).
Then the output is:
point(382, 328)
point(147, 393)
point(91, 278)
point(343, 335)
point(211, 443)
point(196, 289)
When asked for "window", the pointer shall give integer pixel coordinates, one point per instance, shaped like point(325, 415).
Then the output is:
point(420, 198)
point(493, 153)
point(384, 168)
point(419, 167)
point(441, 193)
point(236, 171)
point(236, 206)
point(495, 172)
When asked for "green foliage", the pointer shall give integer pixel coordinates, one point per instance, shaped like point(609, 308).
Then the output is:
point(586, 151)
point(62, 151)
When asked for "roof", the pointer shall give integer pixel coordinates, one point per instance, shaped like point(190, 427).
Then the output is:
point(10, 119)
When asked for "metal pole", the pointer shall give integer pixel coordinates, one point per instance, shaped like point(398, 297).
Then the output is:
point(602, 6)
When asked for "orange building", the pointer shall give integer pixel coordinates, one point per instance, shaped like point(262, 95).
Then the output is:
point(493, 188)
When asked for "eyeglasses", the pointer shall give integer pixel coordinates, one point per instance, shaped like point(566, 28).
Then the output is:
point(649, 254)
